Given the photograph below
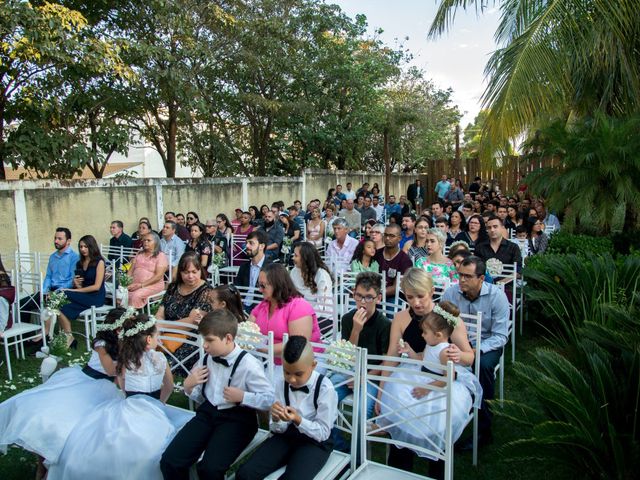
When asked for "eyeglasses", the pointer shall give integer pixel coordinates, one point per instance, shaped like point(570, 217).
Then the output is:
point(467, 276)
point(363, 298)
point(190, 218)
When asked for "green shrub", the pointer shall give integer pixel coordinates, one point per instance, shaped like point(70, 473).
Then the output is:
point(570, 289)
point(584, 245)
point(626, 242)
point(588, 420)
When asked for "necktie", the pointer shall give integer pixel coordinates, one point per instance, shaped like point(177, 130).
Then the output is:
point(304, 389)
point(220, 360)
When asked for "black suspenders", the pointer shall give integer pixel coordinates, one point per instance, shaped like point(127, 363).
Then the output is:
point(316, 392)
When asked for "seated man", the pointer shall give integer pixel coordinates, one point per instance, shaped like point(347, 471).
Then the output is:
point(248, 272)
point(498, 247)
point(340, 250)
point(391, 259)
point(275, 234)
point(367, 327)
point(60, 272)
point(171, 245)
point(352, 217)
point(118, 239)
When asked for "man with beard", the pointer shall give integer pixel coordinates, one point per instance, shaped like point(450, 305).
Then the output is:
point(248, 272)
point(275, 234)
point(60, 272)
point(391, 259)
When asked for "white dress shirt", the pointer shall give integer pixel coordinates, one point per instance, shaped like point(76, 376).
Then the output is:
point(316, 424)
point(249, 377)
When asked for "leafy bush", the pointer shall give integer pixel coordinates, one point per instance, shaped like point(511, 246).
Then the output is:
point(570, 289)
point(588, 420)
point(627, 242)
point(585, 245)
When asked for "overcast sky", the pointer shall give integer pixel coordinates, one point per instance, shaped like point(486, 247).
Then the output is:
point(456, 60)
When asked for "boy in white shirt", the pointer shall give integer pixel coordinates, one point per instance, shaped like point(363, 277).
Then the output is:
point(302, 417)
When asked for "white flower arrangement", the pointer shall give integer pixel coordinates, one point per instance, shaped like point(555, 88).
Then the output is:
point(451, 319)
point(494, 267)
point(130, 312)
point(341, 354)
point(459, 242)
point(219, 260)
point(56, 301)
point(286, 245)
point(248, 336)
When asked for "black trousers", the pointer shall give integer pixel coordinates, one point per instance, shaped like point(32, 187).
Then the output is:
point(221, 434)
point(402, 458)
point(29, 305)
point(303, 456)
point(488, 362)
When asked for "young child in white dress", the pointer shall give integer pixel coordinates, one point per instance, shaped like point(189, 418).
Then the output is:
point(125, 438)
point(41, 419)
point(403, 404)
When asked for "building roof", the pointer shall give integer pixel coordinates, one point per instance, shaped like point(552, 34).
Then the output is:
point(111, 169)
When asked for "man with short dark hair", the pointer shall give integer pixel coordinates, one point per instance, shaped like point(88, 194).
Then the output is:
point(339, 196)
point(474, 188)
point(408, 226)
point(392, 207)
point(60, 272)
point(172, 246)
point(275, 233)
point(375, 204)
point(442, 187)
point(248, 272)
point(473, 295)
point(391, 259)
point(368, 212)
point(349, 194)
point(181, 231)
point(352, 217)
point(498, 247)
point(118, 239)
point(437, 210)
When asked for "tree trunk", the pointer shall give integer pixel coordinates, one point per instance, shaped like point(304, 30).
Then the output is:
point(387, 161)
point(172, 127)
point(457, 163)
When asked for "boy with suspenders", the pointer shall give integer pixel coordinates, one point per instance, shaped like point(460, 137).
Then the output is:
point(302, 417)
point(230, 386)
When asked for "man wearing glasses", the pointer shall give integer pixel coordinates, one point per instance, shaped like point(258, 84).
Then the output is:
point(367, 327)
point(473, 295)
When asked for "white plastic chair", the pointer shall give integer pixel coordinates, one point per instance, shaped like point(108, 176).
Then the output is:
point(509, 277)
point(326, 309)
point(21, 332)
point(371, 469)
point(473, 323)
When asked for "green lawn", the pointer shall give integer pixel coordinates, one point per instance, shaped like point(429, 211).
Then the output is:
point(19, 464)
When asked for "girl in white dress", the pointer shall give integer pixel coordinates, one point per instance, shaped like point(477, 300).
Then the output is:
point(437, 327)
point(41, 419)
point(125, 438)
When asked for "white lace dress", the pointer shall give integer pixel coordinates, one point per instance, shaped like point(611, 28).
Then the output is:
point(422, 421)
point(124, 438)
point(40, 419)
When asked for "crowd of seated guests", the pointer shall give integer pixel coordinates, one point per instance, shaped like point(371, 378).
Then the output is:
point(278, 288)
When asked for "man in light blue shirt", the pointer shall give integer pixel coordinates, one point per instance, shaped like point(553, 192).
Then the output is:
point(171, 245)
point(60, 272)
point(442, 187)
point(473, 295)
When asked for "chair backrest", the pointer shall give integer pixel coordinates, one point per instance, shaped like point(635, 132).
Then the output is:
point(154, 300)
point(326, 309)
point(255, 345)
point(191, 337)
point(238, 249)
point(254, 297)
point(120, 255)
point(428, 426)
point(346, 285)
point(28, 262)
point(27, 283)
point(507, 280)
point(473, 323)
point(549, 229)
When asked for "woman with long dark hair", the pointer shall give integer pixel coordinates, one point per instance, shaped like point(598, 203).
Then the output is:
point(88, 285)
point(199, 244)
point(310, 275)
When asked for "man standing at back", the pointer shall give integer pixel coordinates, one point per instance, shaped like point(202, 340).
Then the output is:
point(442, 187)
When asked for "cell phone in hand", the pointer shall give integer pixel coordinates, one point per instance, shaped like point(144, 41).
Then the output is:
point(78, 272)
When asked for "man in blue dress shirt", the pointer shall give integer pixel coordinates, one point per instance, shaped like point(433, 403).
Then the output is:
point(473, 295)
point(60, 270)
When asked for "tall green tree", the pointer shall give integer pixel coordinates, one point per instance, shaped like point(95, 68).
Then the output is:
point(42, 47)
point(556, 59)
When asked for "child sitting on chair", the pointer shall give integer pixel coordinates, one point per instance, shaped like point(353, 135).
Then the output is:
point(302, 417)
point(231, 385)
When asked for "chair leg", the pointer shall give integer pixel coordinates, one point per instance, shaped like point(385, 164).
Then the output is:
point(8, 357)
point(87, 332)
point(501, 380)
point(475, 437)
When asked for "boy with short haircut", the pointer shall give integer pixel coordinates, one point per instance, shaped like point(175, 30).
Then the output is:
point(367, 327)
point(230, 386)
point(302, 417)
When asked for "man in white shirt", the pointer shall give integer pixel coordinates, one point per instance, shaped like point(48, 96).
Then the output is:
point(375, 204)
point(340, 251)
point(348, 193)
point(171, 245)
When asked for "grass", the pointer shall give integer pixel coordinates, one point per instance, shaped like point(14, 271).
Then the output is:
point(19, 464)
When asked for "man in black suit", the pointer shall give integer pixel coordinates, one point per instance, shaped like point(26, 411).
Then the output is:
point(248, 273)
point(415, 195)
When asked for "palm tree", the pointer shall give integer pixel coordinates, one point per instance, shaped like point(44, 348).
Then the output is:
point(597, 171)
point(556, 58)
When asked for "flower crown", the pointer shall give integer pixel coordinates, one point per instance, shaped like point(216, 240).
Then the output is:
point(451, 319)
point(129, 312)
point(459, 242)
point(141, 327)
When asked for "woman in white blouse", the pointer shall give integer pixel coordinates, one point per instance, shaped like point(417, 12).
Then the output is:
point(310, 275)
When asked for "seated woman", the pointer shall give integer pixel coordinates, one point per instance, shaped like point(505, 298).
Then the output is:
point(475, 233)
point(406, 326)
point(242, 230)
point(310, 275)
point(538, 240)
point(188, 298)
point(199, 244)
point(144, 227)
point(147, 271)
point(442, 269)
point(416, 248)
point(362, 260)
point(315, 229)
point(88, 285)
point(283, 309)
